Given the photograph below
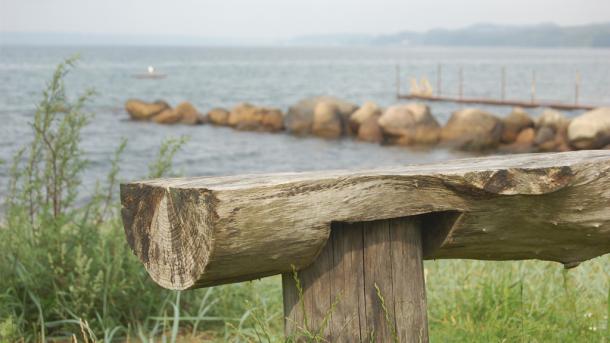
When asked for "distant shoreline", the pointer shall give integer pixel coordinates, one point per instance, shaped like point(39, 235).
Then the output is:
point(545, 35)
point(287, 47)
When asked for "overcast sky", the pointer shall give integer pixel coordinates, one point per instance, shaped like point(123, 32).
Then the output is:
point(272, 19)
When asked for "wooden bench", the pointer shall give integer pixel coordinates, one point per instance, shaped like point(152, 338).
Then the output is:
point(359, 237)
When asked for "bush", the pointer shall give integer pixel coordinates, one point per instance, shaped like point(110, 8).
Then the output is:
point(65, 265)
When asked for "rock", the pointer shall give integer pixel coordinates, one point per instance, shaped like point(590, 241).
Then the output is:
point(410, 124)
point(188, 113)
point(367, 110)
point(140, 110)
point(526, 136)
point(370, 131)
point(299, 118)
point(327, 121)
point(544, 134)
point(590, 130)
point(514, 123)
point(244, 114)
point(167, 116)
point(346, 109)
point(553, 119)
point(273, 119)
point(472, 129)
point(248, 117)
point(523, 143)
point(547, 139)
point(218, 116)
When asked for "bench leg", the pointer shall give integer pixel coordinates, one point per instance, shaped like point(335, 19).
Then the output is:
point(366, 285)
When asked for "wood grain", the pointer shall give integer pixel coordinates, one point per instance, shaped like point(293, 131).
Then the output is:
point(203, 231)
point(358, 260)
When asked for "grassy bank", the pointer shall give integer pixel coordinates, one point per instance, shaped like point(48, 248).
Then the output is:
point(67, 273)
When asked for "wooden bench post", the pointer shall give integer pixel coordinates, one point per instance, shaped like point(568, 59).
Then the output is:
point(357, 238)
point(366, 285)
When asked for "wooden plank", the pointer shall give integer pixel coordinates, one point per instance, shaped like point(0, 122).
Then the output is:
point(371, 262)
point(408, 280)
point(378, 281)
point(347, 283)
point(195, 232)
point(305, 312)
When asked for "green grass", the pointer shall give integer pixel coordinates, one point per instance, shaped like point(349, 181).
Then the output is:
point(66, 271)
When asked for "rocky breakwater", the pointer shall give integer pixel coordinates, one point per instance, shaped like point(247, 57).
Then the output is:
point(411, 124)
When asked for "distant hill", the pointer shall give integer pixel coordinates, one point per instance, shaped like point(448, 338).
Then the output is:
point(542, 35)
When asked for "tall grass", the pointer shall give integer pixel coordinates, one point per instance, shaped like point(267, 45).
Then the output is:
point(66, 272)
point(64, 265)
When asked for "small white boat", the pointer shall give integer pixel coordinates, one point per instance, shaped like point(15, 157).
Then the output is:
point(150, 74)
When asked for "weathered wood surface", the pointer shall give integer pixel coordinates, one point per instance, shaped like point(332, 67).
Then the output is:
point(195, 232)
point(340, 300)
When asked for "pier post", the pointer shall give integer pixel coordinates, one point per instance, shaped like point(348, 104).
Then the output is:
point(577, 88)
point(397, 80)
point(533, 86)
point(439, 79)
point(461, 83)
point(503, 85)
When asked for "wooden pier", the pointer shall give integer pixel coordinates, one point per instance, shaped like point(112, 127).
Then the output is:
point(501, 101)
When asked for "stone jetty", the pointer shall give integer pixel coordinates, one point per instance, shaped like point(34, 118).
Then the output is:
point(409, 124)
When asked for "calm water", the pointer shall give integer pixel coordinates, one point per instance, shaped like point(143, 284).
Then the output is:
point(210, 77)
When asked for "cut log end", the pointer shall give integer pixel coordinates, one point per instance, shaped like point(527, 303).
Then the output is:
point(169, 231)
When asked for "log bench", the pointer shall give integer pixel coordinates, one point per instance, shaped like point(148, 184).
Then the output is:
point(350, 244)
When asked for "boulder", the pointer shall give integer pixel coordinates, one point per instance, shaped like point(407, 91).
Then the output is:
point(522, 144)
point(370, 131)
point(551, 134)
point(244, 114)
point(472, 129)
point(553, 119)
point(410, 124)
point(590, 130)
point(299, 118)
point(526, 137)
point(549, 140)
point(367, 110)
point(141, 110)
point(248, 117)
point(327, 121)
point(544, 134)
point(514, 123)
point(218, 116)
point(188, 113)
point(273, 119)
point(167, 116)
